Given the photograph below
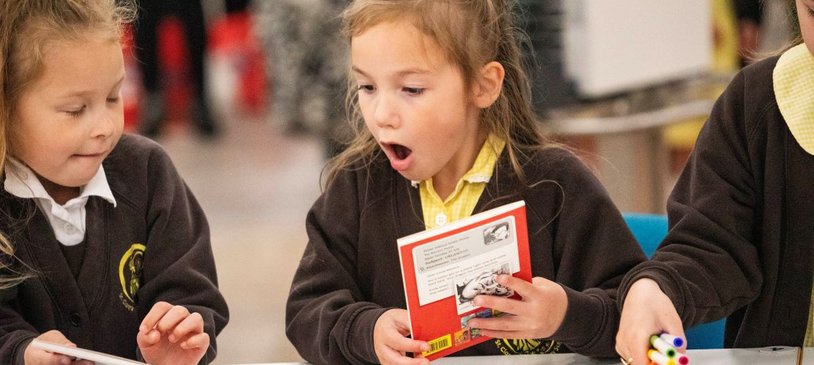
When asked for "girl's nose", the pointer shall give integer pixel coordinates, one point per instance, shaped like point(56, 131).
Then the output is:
point(384, 112)
point(105, 124)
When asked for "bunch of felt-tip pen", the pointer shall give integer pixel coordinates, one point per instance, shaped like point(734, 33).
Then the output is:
point(663, 350)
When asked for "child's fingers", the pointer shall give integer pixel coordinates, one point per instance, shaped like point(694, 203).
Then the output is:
point(172, 318)
point(54, 336)
point(51, 358)
point(156, 313)
point(503, 323)
point(196, 341)
point(39, 356)
point(191, 325)
point(505, 305)
point(148, 338)
point(505, 327)
point(391, 356)
point(520, 286)
point(505, 334)
point(404, 344)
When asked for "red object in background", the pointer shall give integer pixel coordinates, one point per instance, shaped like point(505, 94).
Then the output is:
point(231, 36)
point(131, 89)
point(173, 61)
point(174, 66)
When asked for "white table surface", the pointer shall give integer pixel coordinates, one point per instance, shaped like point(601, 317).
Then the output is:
point(761, 356)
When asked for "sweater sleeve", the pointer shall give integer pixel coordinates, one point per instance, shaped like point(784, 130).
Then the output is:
point(709, 264)
point(595, 249)
point(15, 332)
point(328, 319)
point(179, 266)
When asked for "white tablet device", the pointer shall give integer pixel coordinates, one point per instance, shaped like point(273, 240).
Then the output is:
point(99, 358)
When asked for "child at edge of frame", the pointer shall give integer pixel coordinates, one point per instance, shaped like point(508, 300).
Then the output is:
point(103, 245)
point(739, 240)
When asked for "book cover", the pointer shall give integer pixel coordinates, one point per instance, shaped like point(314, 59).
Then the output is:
point(444, 268)
point(98, 358)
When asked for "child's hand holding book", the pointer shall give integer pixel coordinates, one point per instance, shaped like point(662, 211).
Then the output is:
point(537, 314)
point(391, 342)
point(35, 355)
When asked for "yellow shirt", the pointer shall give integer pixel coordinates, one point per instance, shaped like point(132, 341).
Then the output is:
point(462, 201)
point(793, 83)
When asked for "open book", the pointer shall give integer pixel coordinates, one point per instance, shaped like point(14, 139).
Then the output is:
point(99, 358)
point(446, 267)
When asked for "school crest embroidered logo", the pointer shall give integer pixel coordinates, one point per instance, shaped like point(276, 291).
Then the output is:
point(130, 267)
point(526, 346)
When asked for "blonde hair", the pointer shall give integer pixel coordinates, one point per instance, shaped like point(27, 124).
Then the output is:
point(796, 33)
point(26, 29)
point(471, 33)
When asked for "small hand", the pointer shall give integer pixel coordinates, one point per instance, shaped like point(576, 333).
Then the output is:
point(35, 356)
point(647, 311)
point(171, 335)
point(537, 315)
point(391, 343)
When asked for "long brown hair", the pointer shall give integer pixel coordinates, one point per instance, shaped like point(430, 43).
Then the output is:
point(27, 27)
point(471, 33)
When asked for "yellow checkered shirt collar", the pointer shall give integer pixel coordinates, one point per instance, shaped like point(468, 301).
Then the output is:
point(793, 82)
point(467, 191)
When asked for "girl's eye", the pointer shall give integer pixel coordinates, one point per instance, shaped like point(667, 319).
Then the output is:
point(113, 99)
point(77, 112)
point(413, 90)
point(367, 88)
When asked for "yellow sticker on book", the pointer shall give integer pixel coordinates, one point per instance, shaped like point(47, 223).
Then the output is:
point(439, 344)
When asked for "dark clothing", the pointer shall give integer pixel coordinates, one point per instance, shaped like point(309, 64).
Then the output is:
point(190, 14)
point(236, 6)
point(349, 274)
point(153, 246)
point(751, 10)
point(740, 240)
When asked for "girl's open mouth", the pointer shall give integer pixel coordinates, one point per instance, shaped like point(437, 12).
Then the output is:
point(399, 155)
point(400, 151)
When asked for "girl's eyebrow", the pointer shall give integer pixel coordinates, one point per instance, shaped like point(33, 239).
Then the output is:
point(359, 71)
point(402, 73)
point(81, 93)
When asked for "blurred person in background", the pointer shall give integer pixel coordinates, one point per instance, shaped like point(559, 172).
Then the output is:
point(307, 64)
point(750, 17)
point(154, 106)
point(236, 6)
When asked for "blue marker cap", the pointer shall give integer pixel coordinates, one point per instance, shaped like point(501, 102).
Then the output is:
point(673, 340)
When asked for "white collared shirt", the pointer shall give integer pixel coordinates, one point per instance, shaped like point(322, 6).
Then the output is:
point(68, 221)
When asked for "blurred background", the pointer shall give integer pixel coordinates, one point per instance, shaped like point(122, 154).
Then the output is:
point(246, 96)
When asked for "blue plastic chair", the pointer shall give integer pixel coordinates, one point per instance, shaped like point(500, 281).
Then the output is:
point(649, 230)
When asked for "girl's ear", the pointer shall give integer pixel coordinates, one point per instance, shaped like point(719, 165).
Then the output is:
point(489, 84)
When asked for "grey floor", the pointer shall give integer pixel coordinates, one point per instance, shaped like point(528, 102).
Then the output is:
point(256, 186)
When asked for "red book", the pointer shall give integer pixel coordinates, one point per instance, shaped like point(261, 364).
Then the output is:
point(445, 267)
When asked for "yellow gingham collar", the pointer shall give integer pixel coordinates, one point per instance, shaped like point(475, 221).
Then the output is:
point(793, 82)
